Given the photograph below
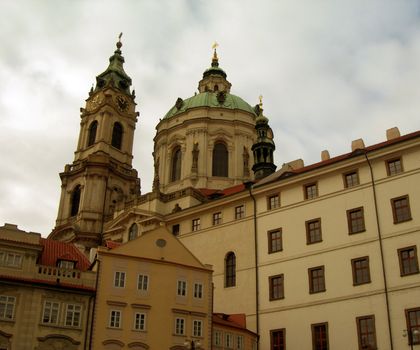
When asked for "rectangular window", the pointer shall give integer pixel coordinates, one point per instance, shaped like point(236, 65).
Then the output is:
point(351, 179)
point(198, 290)
point(195, 224)
point(413, 325)
point(175, 230)
point(366, 332)
point(119, 279)
point(229, 340)
point(394, 166)
point(217, 218)
point(273, 202)
point(316, 279)
point(320, 336)
point(239, 342)
point(143, 282)
point(218, 338)
point(73, 315)
point(7, 307)
point(275, 242)
point(50, 313)
point(66, 264)
point(408, 260)
point(239, 212)
point(313, 231)
point(356, 220)
point(13, 260)
point(311, 191)
point(115, 319)
point(278, 339)
point(139, 321)
point(180, 326)
point(401, 209)
point(197, 328)
point(361, 271)
point(181, 288)
point(276, 287)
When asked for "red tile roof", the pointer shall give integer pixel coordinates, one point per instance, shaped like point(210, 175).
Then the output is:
point(237, 321)
point(112, 244)
point(55, 250)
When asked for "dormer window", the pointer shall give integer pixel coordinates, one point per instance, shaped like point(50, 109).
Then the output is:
point(66, 264)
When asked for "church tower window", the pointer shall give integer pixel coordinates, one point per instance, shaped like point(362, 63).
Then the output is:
point(220, 160)
point(75, 201)
point(117, 133)
point(176, 164)
point(230, 270)
point(92, 133)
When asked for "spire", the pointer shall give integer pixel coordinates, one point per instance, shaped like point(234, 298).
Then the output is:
point(264, 146)
point(115, 75)
point(214, 69)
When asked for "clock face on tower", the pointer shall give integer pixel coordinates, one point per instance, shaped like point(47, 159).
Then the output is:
point(96, 101)
point(122, 103)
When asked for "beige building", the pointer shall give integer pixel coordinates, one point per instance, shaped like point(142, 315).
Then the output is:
point(46, 293)
point(322, 256)
point(152, 294)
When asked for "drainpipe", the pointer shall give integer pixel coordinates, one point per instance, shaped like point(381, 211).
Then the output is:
point(94, 302)
point(382, 252)
point(87, 321)
point(249, 185)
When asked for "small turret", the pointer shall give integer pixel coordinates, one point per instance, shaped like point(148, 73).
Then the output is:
point(264, 147)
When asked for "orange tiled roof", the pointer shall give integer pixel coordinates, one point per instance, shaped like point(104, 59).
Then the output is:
point(237, 321)
point(111, 244)
point(55, 250)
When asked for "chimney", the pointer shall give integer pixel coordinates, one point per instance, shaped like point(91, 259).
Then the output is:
point(392, 133)
point(357, 144)
point(325, 155)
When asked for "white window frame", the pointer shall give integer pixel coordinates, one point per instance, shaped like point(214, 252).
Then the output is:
point(16, 260)
point(197, 330)
point(229, 340)
point(51, 309)
point(241, 212)
point(66, 264)
point(115, 318)
point(7, 307)
point(218, 338)
point(181, 289)
point(239, 342)
point(180, 326)
point(198, 290)
point(143, 282)
point(119, 279)
point(139, 321)
point(75, 313)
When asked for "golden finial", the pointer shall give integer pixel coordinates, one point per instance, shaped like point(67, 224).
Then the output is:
point(119, 37)
point(214, 46)
point(261, 103)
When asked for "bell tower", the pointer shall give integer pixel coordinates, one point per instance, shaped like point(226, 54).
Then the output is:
point(264, 147)
point(101, 178)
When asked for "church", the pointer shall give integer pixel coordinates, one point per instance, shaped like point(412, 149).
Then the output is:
point(320, 256)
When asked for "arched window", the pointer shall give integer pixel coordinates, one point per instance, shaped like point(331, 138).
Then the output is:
point(220, 160)
point(117, 134)
point(230, 270)
point(92, 133)
point(132, 232)
point(176, 164)
point(75, 201)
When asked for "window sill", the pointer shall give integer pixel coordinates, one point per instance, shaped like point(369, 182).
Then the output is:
point(409, 273)
point(318, 291)
point(356, 232)
point(361, 283)
point(401, 221)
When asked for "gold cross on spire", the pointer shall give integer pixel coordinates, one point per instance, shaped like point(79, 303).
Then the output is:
point(119, 37)
point(261, 98)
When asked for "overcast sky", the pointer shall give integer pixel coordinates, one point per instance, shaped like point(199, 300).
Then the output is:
point(330, 72)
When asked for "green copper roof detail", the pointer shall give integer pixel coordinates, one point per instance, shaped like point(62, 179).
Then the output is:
point(209, 100)
point(115, 74)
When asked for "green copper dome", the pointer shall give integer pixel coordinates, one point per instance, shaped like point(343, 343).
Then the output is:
point(210, 100)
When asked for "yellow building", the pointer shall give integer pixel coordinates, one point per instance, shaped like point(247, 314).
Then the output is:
point(152, 294)
point(46, 293)
point(322, 256)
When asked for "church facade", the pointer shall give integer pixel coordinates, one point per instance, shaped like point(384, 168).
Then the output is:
point(319, 256)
